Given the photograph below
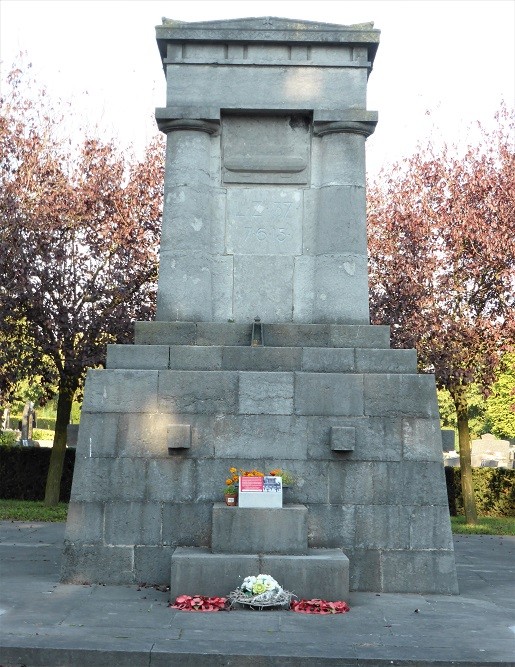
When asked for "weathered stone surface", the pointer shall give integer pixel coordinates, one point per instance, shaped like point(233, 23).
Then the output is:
point(85, 522)
point(386, 361)
point(341, 289)
point(164, 333)
point(261, 358)
point(393, 394)
point(430, 528)
point(152, 564)
point(419, 572)
point(328, 360)
point(332, 526)
point(328, 394)
point(93, 564)
point(266, 393)
point(141, 357)
point(195, 357)
point(339, 226)
point(170, 480)
point(366, 336)
point(421, 439)
point(260, 530)
point(97, 480)
point(262, 287)
point(187, 523)
point(108, 391)
point(97, 434)
point(144, 435)
point(199, 570)
point(322, 573)
point(198, 392)
point(382, 527)
point(141, 521)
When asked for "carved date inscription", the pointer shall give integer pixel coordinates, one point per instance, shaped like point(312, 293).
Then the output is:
point(264, 221)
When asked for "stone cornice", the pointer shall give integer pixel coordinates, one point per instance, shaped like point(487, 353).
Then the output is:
point(167, 125)
point(365, 128)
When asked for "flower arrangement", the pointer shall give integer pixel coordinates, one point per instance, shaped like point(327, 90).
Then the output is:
point(199, 603)
point(316, 606)
point(288, 477)
point(260, 591)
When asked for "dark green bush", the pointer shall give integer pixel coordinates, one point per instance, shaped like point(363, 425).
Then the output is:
point(23, 473)
point(9, 438)
point(494, 490)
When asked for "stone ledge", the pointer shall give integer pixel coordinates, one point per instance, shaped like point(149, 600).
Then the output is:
point(321, 573)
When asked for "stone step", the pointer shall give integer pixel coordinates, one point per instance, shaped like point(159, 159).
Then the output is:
point(260, 530)
point(321, 573)
point(275, 359)
point(275, 335)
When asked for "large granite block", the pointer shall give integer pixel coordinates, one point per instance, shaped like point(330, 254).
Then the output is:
point(152, 564)
point(342, 160)
point(97, 434)
point(359, 335)
point(101, 480)
point(188, 216)
point(141, 357)
point(266, 393)
point(261, 358)
point(120, 391)
point(382, 527)
point(262, 287)
point(186, 523)
point(386, 361)
point(85, 522)
point(365, 570)
point(328, 394)
point(164, 333)
point(419, 572)
point(393, 394)
point(170, 480)
point(322, 573)
point(224, 333)
point(422, 483)
point(328, 360)
point(430, 527)
point(421, 439)
point(264, 221)
point(195, 357)
point(197, 571)
point(96, 564)
point(339, 225)
point(140, 520)
point(341, 289)
point(331, 526)
point(260, 530)
point(198, 392)
point(144, 435)
point(259, 436)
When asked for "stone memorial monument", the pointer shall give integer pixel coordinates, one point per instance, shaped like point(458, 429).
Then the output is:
point(264, 216)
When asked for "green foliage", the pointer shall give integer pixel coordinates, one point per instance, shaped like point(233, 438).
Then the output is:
point(42, 434)
point(23, 472)
point(29, 510)
point(500, 405)
point(8, 438)
point(486, 525)
point(494, 490)
point(479, 422)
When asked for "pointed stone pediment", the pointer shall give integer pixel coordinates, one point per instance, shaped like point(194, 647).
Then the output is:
point(264, 23)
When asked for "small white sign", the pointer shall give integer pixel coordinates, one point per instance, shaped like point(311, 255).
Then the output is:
point(267, 492)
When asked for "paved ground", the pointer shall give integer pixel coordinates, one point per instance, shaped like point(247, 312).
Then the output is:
point(46, 623)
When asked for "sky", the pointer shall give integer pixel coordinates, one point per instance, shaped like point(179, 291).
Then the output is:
point(441, 66)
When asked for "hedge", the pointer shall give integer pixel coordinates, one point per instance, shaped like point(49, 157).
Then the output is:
point(494, 490)
point(23, 473)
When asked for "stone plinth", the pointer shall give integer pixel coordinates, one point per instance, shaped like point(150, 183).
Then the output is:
point(258, 530)
point(322, 573)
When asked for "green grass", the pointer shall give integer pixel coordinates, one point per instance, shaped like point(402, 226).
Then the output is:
point(30, 510)
point(486, 525)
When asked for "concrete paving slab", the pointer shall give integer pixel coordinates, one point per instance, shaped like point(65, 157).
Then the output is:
point(45, 623)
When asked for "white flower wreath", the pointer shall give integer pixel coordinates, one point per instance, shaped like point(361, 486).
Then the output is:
point(260, 591)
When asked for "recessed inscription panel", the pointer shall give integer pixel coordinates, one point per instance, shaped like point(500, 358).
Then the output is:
point(264, 221)
point(266, 149)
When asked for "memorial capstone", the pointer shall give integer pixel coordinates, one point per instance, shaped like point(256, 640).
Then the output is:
point(264, 216)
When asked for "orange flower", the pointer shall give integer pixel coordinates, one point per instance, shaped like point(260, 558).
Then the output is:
point(232, 470)
point(228, 481)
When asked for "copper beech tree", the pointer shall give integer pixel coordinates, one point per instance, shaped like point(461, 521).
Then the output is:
point(79, 233)
point(442, 264)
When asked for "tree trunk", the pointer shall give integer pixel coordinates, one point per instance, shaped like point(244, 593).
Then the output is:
point(64, 408)
point(459, 395)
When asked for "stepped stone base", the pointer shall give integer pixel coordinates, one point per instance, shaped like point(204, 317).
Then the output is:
point(322, 573)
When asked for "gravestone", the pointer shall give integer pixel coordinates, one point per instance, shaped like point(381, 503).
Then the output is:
point(264, 217)
point(28, 422)
point(490, 452)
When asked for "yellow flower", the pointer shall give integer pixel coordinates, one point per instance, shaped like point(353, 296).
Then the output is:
point(228, 481)
point(232, 470)
point(258, 588)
